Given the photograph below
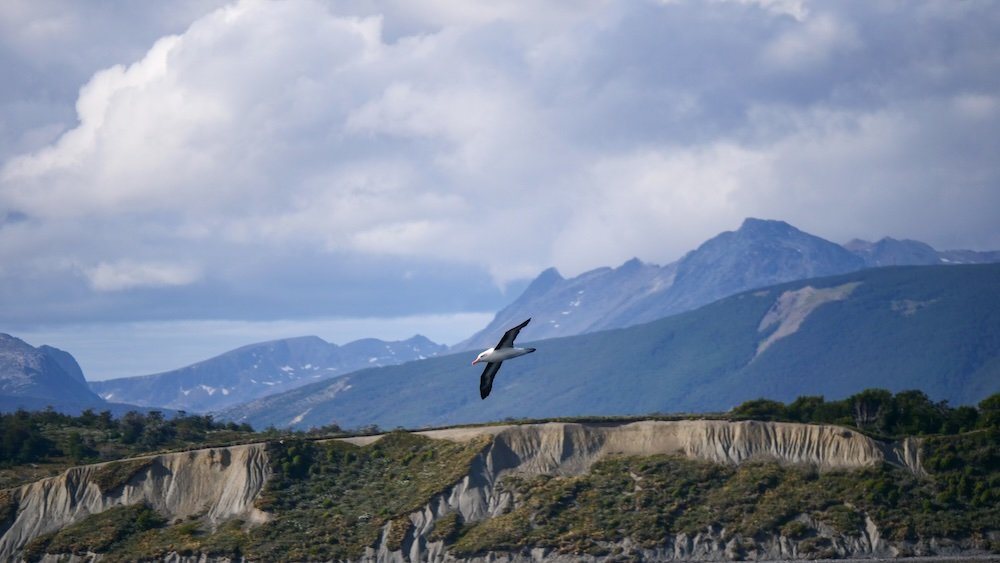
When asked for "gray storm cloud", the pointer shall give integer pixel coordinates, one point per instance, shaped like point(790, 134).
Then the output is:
point(304, 148)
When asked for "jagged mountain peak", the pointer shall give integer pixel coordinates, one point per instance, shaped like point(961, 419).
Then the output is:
point(419, 340)
point(631, 265)
point(9, 341)
point(758, 241)
point(759, 253)
point(544, 281)
point(559, 306)
point(762, 232)
point(913, 325)
point(766, 227)
point(888, 251)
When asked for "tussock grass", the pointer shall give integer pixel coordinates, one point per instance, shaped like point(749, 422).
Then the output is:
point(116, 474)
point(445, 528)
point(99, 533)
point(8, 509)
point(331, 499)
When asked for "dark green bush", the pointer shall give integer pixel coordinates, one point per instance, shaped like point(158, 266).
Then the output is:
point(907, 413)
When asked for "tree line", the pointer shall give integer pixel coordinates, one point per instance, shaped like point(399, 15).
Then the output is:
point(880, 412)
point(27, 437)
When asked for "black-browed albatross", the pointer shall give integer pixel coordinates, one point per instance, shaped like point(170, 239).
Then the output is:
point(504, 350)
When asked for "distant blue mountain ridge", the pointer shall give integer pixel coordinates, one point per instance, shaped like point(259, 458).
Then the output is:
point(43, 372)
point(758, 254)
point(261, 369)
point(931, 328)
point(35, 379)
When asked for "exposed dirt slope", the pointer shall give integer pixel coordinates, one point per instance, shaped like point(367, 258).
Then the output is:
point(220, 484)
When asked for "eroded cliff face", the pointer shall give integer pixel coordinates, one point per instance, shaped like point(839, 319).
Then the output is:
point(222, 483)
point(570, 449)
point(216, 484)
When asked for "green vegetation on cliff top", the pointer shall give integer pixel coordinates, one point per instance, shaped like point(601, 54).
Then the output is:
point(331, 499)
point(649, 499)
point(34, 445)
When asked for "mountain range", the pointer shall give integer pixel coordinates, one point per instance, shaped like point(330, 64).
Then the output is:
point(32, 378)
point(758, 254)
point(892, 252)
point(256, 370)
point(37, 378)
point(933, 328)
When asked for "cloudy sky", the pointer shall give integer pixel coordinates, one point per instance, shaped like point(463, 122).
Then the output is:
point(177, 179)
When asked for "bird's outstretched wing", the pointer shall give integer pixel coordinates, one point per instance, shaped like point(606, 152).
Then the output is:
point(486, 380)
point(508, 337)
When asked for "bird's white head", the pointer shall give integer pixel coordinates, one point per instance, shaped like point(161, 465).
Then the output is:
point(481, 355)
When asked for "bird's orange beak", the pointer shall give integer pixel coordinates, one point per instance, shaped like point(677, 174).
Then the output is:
point(476, 361)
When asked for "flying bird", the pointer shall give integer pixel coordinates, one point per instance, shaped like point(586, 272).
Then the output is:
point(504, 350)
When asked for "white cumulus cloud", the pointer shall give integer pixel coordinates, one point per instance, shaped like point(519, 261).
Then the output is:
point(309, 156)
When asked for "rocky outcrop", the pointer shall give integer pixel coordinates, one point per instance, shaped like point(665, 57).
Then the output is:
point(570, 449)
point(220, 484)
point(793, 307)
point(216, 484)
point(760, 253)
